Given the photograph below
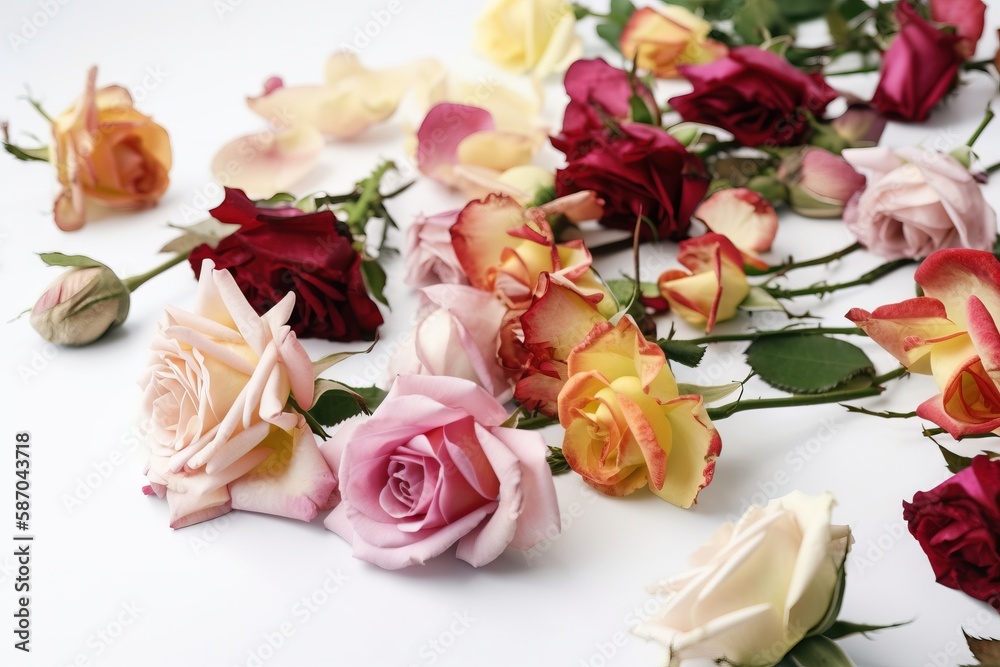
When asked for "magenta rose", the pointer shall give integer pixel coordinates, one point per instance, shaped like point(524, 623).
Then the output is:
point(919, 68)
point(598, 93)
point(641, 170)
point(958, 526)
point(756, 95)
point(968, 17)
point(433, 467)
point(281, 250)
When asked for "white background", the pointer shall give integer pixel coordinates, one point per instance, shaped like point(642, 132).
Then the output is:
point(212, 594)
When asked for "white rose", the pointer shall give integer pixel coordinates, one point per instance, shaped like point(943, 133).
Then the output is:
point(756, 588)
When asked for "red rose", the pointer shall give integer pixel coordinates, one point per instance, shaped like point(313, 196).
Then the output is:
point(640, 170)
point(598, 94)
point(918, 69)
point(756, 95)
point(283, 250)
point(958, 526)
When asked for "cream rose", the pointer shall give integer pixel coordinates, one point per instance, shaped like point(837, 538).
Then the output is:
point(219, 430)
point(757, 587)
point(529, 35)
point(107, 151)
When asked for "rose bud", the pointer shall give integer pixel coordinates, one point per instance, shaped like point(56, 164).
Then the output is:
point(819, 183)
point(80, 306)
point(714, 285)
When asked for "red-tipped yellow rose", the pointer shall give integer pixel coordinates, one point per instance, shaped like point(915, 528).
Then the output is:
point(950, 333)
point(626, 424)
point(715, 286)
point(661, 39)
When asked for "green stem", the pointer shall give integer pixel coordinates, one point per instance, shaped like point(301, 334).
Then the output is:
point(992, 168)
point(582, 12)
point(987, 119)
point(357, 210)
point(931, 432)
point(535, 423)
point(860, 70)
point(790, 265)
point(817, 290)
point(133, 283)
point(754, 335)
point(837, 396)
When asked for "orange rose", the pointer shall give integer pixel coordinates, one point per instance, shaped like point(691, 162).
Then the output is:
point(661, 39)
point(106, 151)
point(626, 424)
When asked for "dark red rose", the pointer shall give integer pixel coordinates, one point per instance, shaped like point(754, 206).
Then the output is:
point(640, 169)
point(599, 95)
point(919, 68)
point(283, 250)
point(958, 526)
point(756, 95)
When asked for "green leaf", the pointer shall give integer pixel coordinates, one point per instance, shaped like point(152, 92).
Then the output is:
point(628, 300)
point(337, 402)
point(611, 33)
point(759, 300)
point(852, 9)
point(640, 111)
point(557, 461)
point(621, 10)
point(836, 22)
point(709, 393)
point(59, 259)
point(807, 364)
point(276, 199)
point(374, 276)
point(682, 351)
point(329, 360)
point(208, 232)
point(846, 628)
point(758, 20)
point(817, 652)
point(956, 462)
point(985, 650)
point(41, 154)
point(803, 10)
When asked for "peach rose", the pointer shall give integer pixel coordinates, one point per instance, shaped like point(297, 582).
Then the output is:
point(220, 433)
point(626, 424)
point(715, 286)
point(106, 151)
point(950, 333)
point(661, 39)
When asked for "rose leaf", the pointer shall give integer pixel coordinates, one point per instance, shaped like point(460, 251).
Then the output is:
point(807, 364)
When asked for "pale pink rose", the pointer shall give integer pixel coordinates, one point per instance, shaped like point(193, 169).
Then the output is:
point(430, 257)
point(820, 183)
point(433, 467)
point(458, 335)
point(917, 202)
point(218, 427)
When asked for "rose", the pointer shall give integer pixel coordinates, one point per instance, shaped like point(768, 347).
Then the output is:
point(950, 333)
point(968, 16)
point(641, 171)
point(430, 257)
point(626, 424)
point(504, 248)
point(819, 183)
point(433, 466)
point(277, 251)
point(757, 587)
point(218, 428)
point(599, 93)
point(457, 335)
point(745, 218)
point(106, 151)
point(529, 35)
point(919, 68)
point(715, 286)
point(661, 39)
point(81, 305)
point(956, 525)
point(756, 95)
point(917, 202)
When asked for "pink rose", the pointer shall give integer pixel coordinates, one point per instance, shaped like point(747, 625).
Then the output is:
point(820, 183)
point(917, 202)
point(433, 467)
point(968, 17)
point(430, 257)
point(220, 433)
point(458, 335)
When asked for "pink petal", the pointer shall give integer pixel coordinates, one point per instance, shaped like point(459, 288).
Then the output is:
point(906, 330)
point(266, 163)
point(444, 127)
point(953, 274)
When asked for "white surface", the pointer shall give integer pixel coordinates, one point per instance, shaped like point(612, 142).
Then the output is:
point(213, 594)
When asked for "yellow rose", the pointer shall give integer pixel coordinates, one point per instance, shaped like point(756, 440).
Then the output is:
point(105, 150)
point(715, 286)
point(626, 424)
point(529, 35)
point(662, 39)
